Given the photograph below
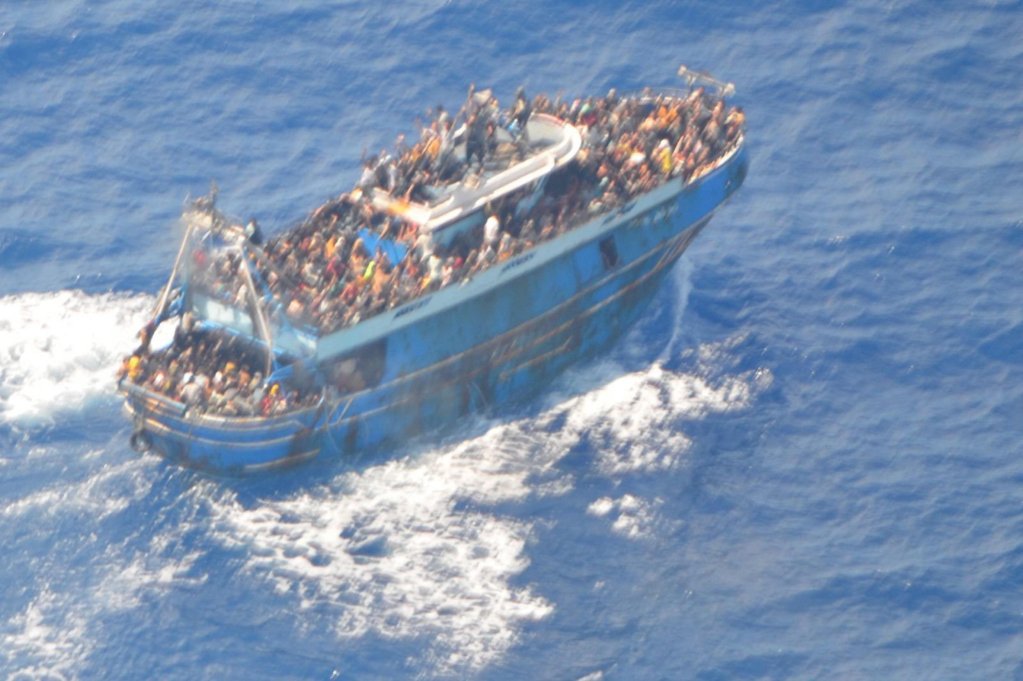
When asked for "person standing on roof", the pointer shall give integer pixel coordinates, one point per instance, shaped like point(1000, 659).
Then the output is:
point(521, 111)
point(476, 139)
point(368, 180)
point(470, 107)
point(253, 233)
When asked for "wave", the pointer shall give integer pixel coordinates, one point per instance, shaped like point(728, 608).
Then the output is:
point(635, 517)
point(416, 546)
point(62, 624)
point(60, 349)
point(432, 544)
point(406, 548)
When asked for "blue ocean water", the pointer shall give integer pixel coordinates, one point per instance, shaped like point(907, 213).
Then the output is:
point(804, 461)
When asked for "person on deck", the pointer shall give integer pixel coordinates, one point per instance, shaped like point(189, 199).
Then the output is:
point(475, 139)
point(492, 230)
point(253, 233)
point(521, 111)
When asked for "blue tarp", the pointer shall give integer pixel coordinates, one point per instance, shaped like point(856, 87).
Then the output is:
point(392, 249)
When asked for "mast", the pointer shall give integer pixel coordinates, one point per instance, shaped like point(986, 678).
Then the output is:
point(258, 313)
point(161, 304)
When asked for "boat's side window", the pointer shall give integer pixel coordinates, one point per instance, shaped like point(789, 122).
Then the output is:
point(609, 252)
point(360, 369)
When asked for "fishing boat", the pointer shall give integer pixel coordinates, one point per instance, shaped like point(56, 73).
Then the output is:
point(461, 274)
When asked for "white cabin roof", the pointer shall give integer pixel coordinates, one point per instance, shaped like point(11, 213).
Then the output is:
point(553, 143)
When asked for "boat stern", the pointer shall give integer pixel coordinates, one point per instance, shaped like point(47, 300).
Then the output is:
point(221, 445)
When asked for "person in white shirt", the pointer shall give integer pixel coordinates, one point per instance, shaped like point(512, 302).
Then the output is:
point(492, 230)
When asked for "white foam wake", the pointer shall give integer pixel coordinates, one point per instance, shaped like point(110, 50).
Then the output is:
point(412, 547)
point(406, 549)
point(633, 420)
point(681, 278)
point(55, 634)
point(634, 517)
point(59, 349)
point(35, 646)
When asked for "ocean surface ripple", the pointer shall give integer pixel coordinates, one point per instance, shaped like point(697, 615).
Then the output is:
point(803, 462)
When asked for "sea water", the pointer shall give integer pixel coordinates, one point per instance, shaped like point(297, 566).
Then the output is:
point(803, 462)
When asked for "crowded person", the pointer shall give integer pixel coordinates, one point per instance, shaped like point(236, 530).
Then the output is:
point(333, 270)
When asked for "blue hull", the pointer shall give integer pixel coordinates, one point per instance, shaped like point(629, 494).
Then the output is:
point(471, 346)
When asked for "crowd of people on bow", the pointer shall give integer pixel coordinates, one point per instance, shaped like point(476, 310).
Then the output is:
point(325, 275)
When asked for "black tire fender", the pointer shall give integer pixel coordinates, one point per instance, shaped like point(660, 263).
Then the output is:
point(140, 441)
